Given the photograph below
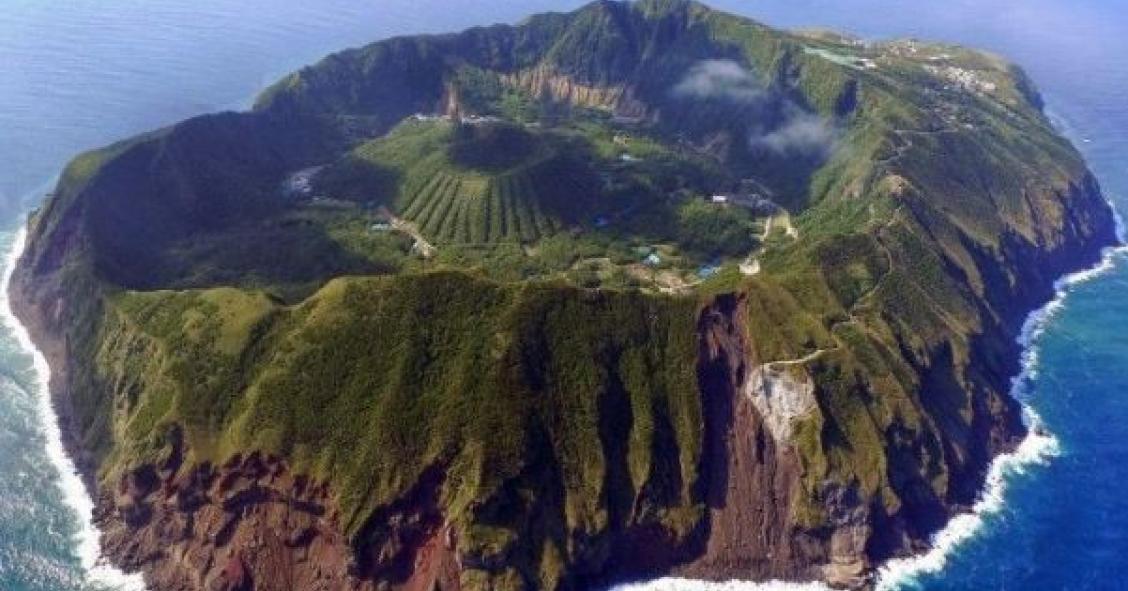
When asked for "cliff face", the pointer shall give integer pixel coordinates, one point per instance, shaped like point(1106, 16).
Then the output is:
point(259, 403)
point(544, 83)
point(248, 524)
point(751, 477)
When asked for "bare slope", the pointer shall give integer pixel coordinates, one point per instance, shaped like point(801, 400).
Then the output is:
point(243, 369)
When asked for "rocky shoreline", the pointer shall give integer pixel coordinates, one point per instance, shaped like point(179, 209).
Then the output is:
point(807, 423)
point(187, 529)
point(41, 319)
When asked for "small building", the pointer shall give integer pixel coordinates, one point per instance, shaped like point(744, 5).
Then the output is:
point(707, 271)
point(652, 260)
point(628, 120)
point(720, 199)
point(380, 227)
point(602, 222)
point(479, 119)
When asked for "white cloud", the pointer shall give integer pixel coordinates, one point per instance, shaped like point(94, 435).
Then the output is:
point(801, 133)
point(720, 79)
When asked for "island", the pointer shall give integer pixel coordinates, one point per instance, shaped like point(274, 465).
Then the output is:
point(640, 290)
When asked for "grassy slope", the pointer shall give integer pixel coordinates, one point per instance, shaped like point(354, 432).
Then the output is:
point(506, 381)
point(473, 184)
point(916, 240)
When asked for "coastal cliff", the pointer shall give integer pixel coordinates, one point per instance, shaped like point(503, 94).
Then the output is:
point(270, 383)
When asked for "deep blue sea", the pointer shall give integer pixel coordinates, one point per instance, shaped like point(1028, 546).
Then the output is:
point(76, 74)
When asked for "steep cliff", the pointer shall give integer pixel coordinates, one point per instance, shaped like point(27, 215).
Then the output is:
point(269, 387)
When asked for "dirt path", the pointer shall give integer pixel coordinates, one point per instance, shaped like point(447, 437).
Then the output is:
point(889, 262)
point(906, 134)
point(751, 265)
point(427, 249)
point(852, 313)
point(802, 360)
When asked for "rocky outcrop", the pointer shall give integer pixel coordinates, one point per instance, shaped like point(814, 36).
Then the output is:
point(607, 460)
point(252, 524)
point(249, 524)
point(544, 82)
point(781, 394)
point(753, 471)
point(751, 476)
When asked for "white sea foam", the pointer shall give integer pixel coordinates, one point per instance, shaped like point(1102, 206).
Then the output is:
point(678, 584)
point(98, 571)
point(1038, 448)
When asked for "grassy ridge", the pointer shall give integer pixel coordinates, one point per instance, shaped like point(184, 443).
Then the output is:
point(505, 380)
point(563, 417)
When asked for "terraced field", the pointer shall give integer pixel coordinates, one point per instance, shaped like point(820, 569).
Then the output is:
point(468, 208)
point(457, 189)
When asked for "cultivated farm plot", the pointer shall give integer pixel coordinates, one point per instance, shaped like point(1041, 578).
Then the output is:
point(457, 209)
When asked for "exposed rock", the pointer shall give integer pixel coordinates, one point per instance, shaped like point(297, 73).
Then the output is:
point(753, 471)
point(545, 82)
point(780, 394)
point(249, 524)
point(729, 508)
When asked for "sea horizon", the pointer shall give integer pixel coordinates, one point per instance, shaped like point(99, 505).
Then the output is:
point(55, 548)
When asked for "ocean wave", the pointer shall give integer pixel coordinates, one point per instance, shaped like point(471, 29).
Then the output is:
point(679, 584)
point(98, 571)
point(1038, 448)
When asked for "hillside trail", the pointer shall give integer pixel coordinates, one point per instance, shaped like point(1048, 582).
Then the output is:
point(852, 314)
point(425, 247)
point(907, 134)
point(751, 264)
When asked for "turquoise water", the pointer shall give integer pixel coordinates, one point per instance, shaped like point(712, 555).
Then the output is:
point(75, 74)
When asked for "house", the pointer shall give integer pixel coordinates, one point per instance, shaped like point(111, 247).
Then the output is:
point(479, 119)
point(707, 271)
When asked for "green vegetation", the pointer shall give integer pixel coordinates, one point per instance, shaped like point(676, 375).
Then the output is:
point(494, 182)
point(715, 231)
point(511, 296)
point(506, 380)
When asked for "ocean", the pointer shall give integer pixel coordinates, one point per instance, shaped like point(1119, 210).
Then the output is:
point(76, 74)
